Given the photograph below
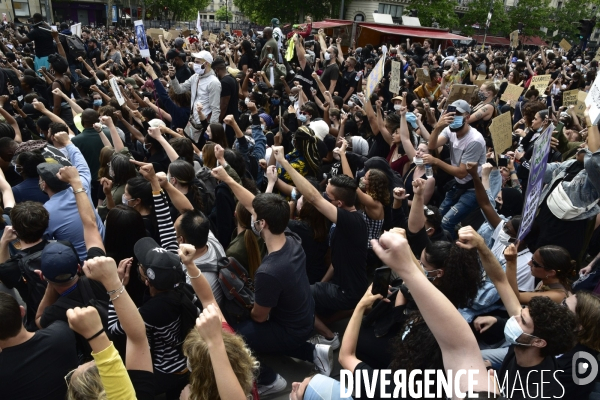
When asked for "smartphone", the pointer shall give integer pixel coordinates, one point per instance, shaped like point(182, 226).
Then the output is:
point(381, 281)
point(559, 129)
point(450, 109)
point(271, 56)
point(550, 112)
point(502, 161)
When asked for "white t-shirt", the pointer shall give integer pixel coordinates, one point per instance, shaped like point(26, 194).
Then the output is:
point(469, 148)
point(212, 255)
point(525, 280)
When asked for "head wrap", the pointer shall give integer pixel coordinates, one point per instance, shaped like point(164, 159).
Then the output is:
point(306, 143)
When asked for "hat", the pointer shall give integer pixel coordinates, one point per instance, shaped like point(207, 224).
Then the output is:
point(48, 171)
point(462, 106)
point(178, 42)
point(171, 54)
point(163, 268)
point(275, 22)
point(397, 98)
point(132, 82)
point(322, 387)
point(205, 55)
point(156, 123)
point(320, 128)
point(359, 146)
point(59, 262)
point(267, 118)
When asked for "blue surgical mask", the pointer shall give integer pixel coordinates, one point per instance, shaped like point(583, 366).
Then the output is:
point(124, 200)
point(411, 118)
point(302, 118)
point(512, 331)
point(98, 103)
point(458, 122)
point(275, 102)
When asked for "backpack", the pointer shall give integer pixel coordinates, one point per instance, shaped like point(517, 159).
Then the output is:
point(238, 289)
point(207, 185)
point(76, 47)
point(35, 286)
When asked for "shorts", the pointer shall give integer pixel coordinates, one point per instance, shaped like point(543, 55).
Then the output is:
point(330, 298)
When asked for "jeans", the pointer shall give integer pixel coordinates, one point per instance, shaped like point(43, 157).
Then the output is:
point(455, 207)
point(496, 356)
point(271, 337)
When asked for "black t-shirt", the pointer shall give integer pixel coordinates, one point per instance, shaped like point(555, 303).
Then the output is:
point(331, 73)
point(143, 383)
point(306, 80)
point(379, 147)
point(182, 73)
point(229, 87)
point(244, 60)
point(417, 241)
point(363, 367)
point(315, 251)
point(349, 252)
point(526, 382)
point(281, 283)
point(44, 44)
point(348, 81)
point(36, 369)
point(565, 377)
point(94, 53)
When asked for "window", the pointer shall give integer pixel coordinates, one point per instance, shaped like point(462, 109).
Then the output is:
point(597, 35)
point(393, 10)
point(43, 8)
point(21, 8)
point(359, 17)
point(559, 5)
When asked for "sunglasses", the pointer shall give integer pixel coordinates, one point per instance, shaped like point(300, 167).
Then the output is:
point(68, 377)
point(536, 264)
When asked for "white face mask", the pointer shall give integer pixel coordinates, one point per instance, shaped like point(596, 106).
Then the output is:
point(327, 56)
point(504, 238)
point(397, 107)
point(199, 69)
point(513, 331)
point(247, 100)
point(351, 103)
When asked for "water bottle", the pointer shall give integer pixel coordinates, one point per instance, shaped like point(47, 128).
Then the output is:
point(428, 171)
point(358, 75)
point(520, 148)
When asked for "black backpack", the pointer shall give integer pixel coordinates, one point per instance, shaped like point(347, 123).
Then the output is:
point(207, 185)
point(238, 288)
point(76, 47)
point(35, 286)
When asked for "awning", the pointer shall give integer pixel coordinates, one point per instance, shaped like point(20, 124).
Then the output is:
point(414, 32)
point(330, 23)
point(492, 40)
point(534, 41)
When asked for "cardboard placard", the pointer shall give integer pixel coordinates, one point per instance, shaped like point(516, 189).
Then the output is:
point(154, 33)
point(540, 82)
point(212, 38)
point(512, 93)
point(597, 57)
point(205, 35)
point(570, 97)
point(480, 80)
point(461, 92)
point(186, 33)
point(566, 46)
point(227, 28)
point(375, 76)
point(580, 106)
point(395, 77)
point(514, 39)
point(423, 75)
point(501, 130)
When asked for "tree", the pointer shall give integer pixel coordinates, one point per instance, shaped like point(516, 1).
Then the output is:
point(563, 18)
point(292, 11)
point(534, 14)
point(440, 11)
point(223, 14)
point(477, 14)
point(177, 9)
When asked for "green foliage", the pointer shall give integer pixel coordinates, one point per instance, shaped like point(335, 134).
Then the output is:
point(288, 11)
point(534, 14)
point(477, 14)
point(440, 11)
point(223, 14)
point(565, 20)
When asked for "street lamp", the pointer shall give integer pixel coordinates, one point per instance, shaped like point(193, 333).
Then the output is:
point(226, 13)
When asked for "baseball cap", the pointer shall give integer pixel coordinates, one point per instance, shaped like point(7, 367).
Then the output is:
point(171, 54)
point(163, 268)
point(132, 82)
point(59, 262)
point(320, 128)
point(178, 42)
point(397, 98)
point(462, 106)
point(48, 171)
point(205, 55)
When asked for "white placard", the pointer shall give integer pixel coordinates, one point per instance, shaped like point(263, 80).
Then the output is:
point(142, 41)
point(593, 99)
point(117, 91)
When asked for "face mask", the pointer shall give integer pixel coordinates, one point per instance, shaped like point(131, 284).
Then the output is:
point(293, 99)
point(397, 107)
point(275, 102)
point(411, 119)
point(302, 118)
point(481, 96)
point(505, 238)
point(124, 200)
point(247, 100)
point(327, 56)
point(578, 61)
point(254, 230)
point(457, 123)
point(351, 104)
point(98, 103)
point(263, 127)
point(199, 69)
point(512, 331)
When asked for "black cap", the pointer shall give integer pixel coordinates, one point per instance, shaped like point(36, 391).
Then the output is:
point(48, 171)
point(171, 54)
point(163, 268)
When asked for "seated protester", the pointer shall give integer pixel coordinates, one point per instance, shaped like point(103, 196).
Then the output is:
point(182, 176)
point(120, 170)
point(106, 376)
point(26, 356)
point(537, 333)
point(346, 277)
point(282, 318)
point(7, 151)
point(29, 190)
point(156, 154)
point(65, 222)
point(30, 219)
point(193, 227)
point(245, 246)
point(356, 154)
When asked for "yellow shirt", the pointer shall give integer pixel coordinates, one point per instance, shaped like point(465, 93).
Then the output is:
point(113, 374)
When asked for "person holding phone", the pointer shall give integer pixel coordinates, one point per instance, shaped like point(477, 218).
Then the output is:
point(538, 125)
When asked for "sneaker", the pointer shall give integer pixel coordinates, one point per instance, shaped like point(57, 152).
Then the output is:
point(323, 359)
point(278, 386)
point(320, 339)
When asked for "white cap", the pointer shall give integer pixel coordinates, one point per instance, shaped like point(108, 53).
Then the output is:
point(205, 55)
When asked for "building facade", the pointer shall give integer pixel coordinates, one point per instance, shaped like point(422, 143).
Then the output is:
point(208, 14)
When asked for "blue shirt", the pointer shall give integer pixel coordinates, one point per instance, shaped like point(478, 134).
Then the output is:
point(65, 222)
point(29, 190)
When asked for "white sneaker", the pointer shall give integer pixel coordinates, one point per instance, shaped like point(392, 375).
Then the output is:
point(323, 359)
point(320, 339)
point(278, 386)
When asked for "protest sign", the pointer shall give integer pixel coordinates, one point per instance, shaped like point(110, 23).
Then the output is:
point(186, 33)
point(501, 130)
point(76, 30)
point(395, 77)
point(540, 82)
point(142, 40)
point(238, 32)
point(212, 38)
point(227, 28)
point(154, 33)
point(570, 97)
point(480, 80)
point(117, 91)
point(514, 39)
point(375, 77)
point(566, 46)
point(593, 100)
point(423, 75)
point(580, 105)
point(461, 92)
point(537, 169)
point(512, 93)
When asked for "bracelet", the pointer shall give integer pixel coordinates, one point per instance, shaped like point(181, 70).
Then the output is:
point(194, 277)
point(157, 192)
point(118, 295)
point(96, 335)
point(116, 290)
point(81, 190)
point(513, 172)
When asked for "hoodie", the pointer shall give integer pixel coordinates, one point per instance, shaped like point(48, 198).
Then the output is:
point(206, 90)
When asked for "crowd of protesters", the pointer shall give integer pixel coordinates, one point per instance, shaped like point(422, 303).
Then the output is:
point(132, 186)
